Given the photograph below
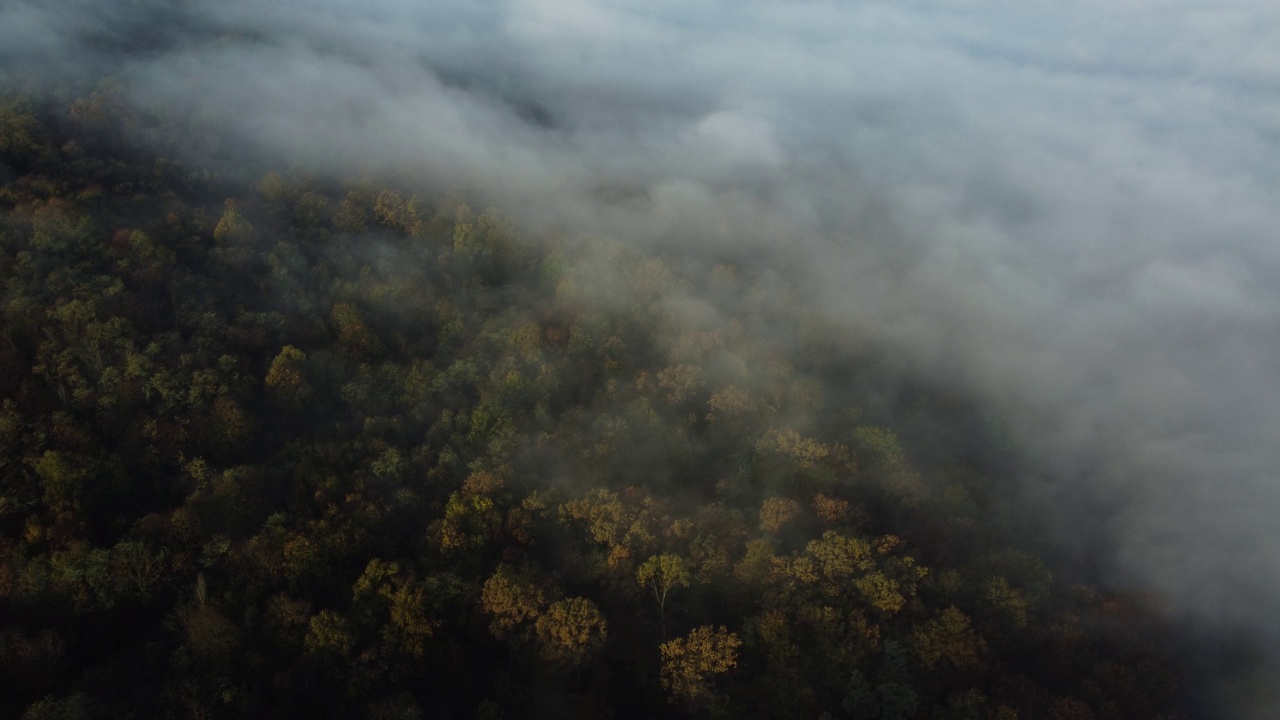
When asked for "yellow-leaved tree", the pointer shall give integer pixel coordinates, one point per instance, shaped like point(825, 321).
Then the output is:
point(571, 632)
point(661, 574)
point(689, 663)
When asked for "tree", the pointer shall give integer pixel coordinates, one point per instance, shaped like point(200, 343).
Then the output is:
point(137, 568)
point(884, 580)
point(776, 513)
point(511, 601)
point(628, 523)
point(661, 574)
point(895, 687)
point(286, 379)
point(408, 609)
point(680, 382)
point(234, 236)
point(831, 510)
point(949, 637)
point(470, 522)
point(411, 624)
point(74, 707)
point(329, 633)
point(690, 662)
point(571, 632)
point(209, 636)
point(1012, 602)
point(232, 226)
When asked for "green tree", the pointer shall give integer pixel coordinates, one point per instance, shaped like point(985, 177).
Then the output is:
point(949, 637)
point(233, 228)
point(286, 378)
point(329, 633)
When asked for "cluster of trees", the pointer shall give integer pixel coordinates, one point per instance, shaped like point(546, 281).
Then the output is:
point(293, 446)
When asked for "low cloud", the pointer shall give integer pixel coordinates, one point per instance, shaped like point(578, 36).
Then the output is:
point(1069, 208)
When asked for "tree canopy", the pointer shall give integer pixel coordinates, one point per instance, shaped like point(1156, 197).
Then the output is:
point(278, 445)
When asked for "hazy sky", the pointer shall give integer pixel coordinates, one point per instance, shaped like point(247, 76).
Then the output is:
point(1072, 207)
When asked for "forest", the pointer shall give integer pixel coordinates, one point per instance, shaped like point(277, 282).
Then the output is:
point(280, 445)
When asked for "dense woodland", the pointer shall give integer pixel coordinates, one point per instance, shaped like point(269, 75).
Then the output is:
point(277, 445)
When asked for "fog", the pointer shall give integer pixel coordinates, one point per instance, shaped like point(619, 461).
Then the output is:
point(1068, 209)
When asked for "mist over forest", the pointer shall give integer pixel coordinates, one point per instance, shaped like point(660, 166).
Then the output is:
point(584, 358)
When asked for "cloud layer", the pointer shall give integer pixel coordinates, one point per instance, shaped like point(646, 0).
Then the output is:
point(1070, 208)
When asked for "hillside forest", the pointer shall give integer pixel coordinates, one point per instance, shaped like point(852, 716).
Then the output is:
point(279, 445)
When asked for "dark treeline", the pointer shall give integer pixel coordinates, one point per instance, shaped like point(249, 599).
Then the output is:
point(296, 447)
